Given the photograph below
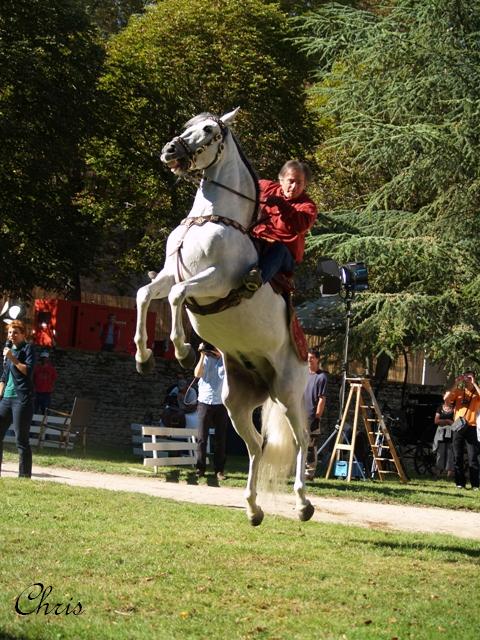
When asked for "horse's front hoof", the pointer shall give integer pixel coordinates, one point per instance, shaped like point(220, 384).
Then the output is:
point(306, 512)
point(189, 361)
point(256, 518)
point(147, 367)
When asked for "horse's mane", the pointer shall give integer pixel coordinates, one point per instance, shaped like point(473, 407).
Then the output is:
point(201, 116)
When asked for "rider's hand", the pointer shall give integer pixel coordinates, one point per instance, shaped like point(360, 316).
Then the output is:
point(274, 201)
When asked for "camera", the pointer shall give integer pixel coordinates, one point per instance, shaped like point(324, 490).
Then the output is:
point(352, 277)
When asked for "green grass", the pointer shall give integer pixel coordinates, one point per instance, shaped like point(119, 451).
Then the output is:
point(142, 567)
point(420, 491)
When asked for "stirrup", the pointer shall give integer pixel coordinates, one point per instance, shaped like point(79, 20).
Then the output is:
point(253, 280)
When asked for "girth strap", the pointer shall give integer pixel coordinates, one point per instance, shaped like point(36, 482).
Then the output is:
point(236, 295)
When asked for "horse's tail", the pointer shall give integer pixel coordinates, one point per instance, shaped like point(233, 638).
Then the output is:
point(279, 451)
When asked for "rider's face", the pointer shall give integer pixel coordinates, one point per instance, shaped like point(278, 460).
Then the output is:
point(293, 183)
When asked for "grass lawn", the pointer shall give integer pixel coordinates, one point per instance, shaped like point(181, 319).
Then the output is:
point(142, 567)
point(421, 490)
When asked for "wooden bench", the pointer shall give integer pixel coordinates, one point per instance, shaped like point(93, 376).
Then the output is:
point(42, 436)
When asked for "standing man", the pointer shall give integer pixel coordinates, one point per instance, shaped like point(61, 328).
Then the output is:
point(287, 215)
point(110, 333)
point(315, 400)
point(465, 397)
point(211, 411)
point(44, 377)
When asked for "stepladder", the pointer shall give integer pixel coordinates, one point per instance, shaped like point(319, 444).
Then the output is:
point(364, 412)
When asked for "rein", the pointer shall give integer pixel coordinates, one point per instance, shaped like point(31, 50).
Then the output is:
point(237, 193)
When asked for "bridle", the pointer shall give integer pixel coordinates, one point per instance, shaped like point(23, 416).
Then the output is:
point(195, 176)
point(192, 154)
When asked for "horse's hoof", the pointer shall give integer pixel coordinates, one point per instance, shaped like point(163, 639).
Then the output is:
point(189, 361)
point(306, 512)
point(147, 367)
point(256, 518)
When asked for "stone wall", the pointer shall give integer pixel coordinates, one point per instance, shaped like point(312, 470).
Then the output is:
point(122, 396)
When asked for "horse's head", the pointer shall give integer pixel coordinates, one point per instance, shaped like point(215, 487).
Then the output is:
point(200, 145)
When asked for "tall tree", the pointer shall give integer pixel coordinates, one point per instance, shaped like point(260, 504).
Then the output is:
point(111, 16)
point(49, 63)
point(400, 89)
point(178, 59)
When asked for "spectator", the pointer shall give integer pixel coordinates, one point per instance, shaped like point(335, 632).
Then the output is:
point(109, 333)
point(286, 217)
point(44, 377)
point(211, 411)
point(314, 399)
point(442, 443)
point(182, 395)
point(44, 335)
point(16, 392)
point(179, 400)
point(465, 396)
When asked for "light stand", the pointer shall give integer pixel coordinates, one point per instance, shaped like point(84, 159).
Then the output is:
point(347, 297)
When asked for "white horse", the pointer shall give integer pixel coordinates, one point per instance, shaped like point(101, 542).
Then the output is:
point(207, 256)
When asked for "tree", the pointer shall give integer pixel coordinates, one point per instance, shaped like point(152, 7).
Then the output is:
point(179, 59)
point(401, 89)
point(49, 63)
point(111, 16)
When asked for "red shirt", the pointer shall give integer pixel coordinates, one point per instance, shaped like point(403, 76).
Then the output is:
point(287, 223)
point(44, 376)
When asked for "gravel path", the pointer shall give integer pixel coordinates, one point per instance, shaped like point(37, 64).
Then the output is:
point(386, 517)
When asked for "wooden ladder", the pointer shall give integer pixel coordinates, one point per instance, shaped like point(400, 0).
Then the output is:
point(386, 460)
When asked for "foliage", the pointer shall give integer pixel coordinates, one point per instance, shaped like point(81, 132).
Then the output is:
point(49, 62)
point(177, 60)
point(111, 16)
point(400, 89)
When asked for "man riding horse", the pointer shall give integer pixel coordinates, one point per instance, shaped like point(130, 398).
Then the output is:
point(287, 215)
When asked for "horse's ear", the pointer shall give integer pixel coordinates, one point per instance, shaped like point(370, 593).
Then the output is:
point(228, 118)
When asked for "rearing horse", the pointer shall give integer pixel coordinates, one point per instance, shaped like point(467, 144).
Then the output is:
point(207, 255)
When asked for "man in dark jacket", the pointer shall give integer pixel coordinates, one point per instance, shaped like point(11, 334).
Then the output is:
point(16, 393)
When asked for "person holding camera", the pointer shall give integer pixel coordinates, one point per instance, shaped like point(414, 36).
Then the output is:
point(211, 411)
point(465, 397)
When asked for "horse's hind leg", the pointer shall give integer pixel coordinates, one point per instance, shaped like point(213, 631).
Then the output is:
point(296, 417)
point(241, 396)
point(243, 425)
point(297, 421)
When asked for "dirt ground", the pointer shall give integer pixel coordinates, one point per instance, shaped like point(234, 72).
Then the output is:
point(373, 515)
